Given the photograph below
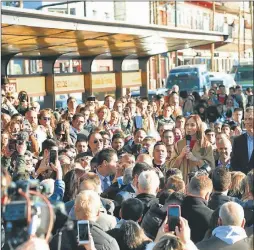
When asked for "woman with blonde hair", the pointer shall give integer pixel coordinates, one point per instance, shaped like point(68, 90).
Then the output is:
point(102, 113)
point(236, 189)
point(114, 122)
point(48, 121)
point(199, 152)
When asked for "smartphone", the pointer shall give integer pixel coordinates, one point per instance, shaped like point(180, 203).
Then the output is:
point(83, 231)
point(174, 213)
point(12, 144)
point(23, 97)
point(53, 156)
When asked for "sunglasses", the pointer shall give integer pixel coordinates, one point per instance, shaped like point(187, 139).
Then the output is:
point(10, 97)
point(96, 141)
point(46, 118)
point(3, 95)
point(20, 142)
point(33, 108)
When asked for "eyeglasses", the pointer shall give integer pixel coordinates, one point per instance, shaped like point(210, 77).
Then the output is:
point(10, 97)
point(33, 108)
point(96, 141)
point(3, 95)
point(46, 118)
point(20, 142)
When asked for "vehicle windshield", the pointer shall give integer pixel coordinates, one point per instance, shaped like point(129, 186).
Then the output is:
point(186, 79)
point(244, 73)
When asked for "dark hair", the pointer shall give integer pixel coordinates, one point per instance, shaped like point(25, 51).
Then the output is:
point(209, 131)
point(71, 98)
point(158, 97)
point(175, 198)
point(117, 136)
point(221, 86)
point(138, 129)
point(196, 96)
point(78, 115)
point(21, 176)
point(133, 236)
point(169, 242)
point(90, 135)
point(213, 223)
point(175, 183)
point(159, 143)
point(250, 178)
point(132, 209)
point(105, 155)
point(72, 182)
point(174, 171)
point(225, 125)
point(221, 179)
point(103, 132)
point(238, 109)
point(166, 131)
point(179, 117)
point(82, 138)
point(140, 167)
point(48, 144)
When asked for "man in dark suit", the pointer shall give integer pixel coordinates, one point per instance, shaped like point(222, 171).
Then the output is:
point(194, 207)
point(221, 179)
point(129, 190)
point(230, 233)
point(242, 153)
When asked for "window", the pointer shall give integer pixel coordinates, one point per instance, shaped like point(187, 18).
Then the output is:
point(73, 11)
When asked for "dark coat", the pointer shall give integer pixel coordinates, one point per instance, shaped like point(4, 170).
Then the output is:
point(216, 243)
point(218, 199)
point(102, 240)
point(148, 200)
point(126, 193)
point(239, 159)
point(198, 214)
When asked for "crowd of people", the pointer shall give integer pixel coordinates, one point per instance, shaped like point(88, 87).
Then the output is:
point(120, 164)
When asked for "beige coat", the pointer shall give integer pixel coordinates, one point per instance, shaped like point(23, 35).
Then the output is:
point(206, 154)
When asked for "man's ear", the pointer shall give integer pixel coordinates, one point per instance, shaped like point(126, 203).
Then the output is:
point(207, 196)
point(243, 223)
point(104, 163)
point(139, 220)
point(219, 222)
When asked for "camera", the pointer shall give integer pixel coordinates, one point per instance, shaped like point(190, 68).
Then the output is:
point(27, 214)
point(204, 170)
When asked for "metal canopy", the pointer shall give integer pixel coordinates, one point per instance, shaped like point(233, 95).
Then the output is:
point(37, 34)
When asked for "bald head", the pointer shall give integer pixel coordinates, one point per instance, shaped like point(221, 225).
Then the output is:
point(31, 116)
point(145, 158)
point(231, 214)
point(224, 148)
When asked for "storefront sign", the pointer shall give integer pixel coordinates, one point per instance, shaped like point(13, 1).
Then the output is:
point(131, 79)
point(34, 86)
point(74, 83)
point(103, 81)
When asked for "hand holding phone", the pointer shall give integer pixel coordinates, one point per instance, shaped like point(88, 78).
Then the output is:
point(83, 231)
point(53, 155)
point(174, 214)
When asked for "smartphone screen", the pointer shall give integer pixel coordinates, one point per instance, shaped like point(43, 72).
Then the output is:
point(53, 156)
point(173, 217)
point(12, 144)
point(83, 232)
